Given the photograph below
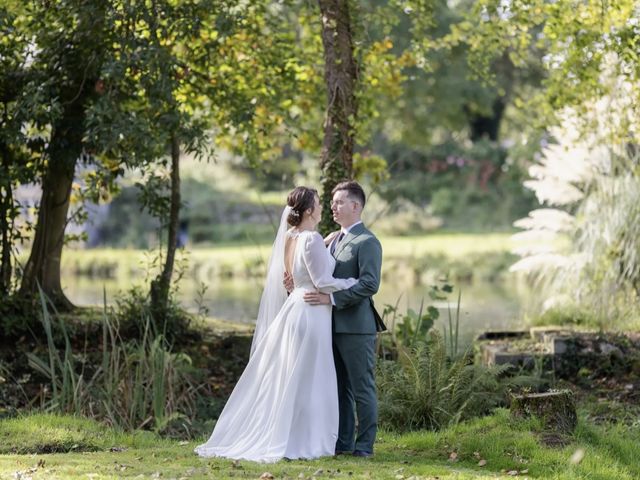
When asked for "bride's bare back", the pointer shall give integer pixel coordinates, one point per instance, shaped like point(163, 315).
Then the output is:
point(289, 251)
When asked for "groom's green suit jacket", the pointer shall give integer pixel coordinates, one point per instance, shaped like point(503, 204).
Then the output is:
point(358, 255)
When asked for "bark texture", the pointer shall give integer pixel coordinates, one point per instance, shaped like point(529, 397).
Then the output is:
point(341, 75)
point(160, 286)
point(556, 409)
point(43, 266)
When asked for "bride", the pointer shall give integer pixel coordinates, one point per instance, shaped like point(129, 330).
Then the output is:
point(285, 404)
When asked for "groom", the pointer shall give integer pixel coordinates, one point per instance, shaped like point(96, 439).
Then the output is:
point(358, 255)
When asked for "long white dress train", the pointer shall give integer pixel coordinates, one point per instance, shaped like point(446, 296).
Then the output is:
point(285, 404)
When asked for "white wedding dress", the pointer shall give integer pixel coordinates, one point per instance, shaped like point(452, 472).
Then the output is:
point(285, 404)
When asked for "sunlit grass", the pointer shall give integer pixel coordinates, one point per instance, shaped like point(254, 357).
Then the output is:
point(39, 433)
point(504, 445)
point(238, 255)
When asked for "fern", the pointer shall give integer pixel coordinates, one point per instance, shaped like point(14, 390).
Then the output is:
point(429, 390)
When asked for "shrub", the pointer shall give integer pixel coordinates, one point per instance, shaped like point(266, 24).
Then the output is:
point(428, 383)
point(427, 389)
point(584, 243)
point(139, 383)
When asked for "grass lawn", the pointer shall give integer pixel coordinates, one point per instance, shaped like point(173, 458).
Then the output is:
point(448, 244)
point(238, 258)
point(505, 448)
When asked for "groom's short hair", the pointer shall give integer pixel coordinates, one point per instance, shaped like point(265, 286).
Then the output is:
point(354, 190)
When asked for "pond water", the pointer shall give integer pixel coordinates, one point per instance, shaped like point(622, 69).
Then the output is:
point(484, 305)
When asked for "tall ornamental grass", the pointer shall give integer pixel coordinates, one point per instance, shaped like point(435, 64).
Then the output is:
point(133, 384)
point(582, 246)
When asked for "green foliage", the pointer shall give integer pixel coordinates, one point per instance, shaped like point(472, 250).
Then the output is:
point(212, 216)
point(18, 316)
point(273, 174)
point(405, 218)
point(427, 389)
point(583, 246)
point(430, 384)
point(410, 329)
point(138, 383)
point(21, 140)
point(567, 314)
point(134, 317)
point(577, 38)
point(471, 186)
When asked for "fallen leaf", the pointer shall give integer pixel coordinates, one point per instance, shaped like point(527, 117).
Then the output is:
point(482, 463)
point(184, 442)
point(524, 472)
point(577, 457)
point(453, 457)
point(267, 476)
point(513, 473)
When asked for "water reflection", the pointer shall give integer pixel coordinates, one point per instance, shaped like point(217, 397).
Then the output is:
point(484, 305)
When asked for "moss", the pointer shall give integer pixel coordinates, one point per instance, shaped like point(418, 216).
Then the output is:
point(557, 410)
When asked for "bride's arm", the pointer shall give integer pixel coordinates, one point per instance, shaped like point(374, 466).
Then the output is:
point(320, 268)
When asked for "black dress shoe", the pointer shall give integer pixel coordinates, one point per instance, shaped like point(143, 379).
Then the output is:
point(342, 452)
point(360, 453)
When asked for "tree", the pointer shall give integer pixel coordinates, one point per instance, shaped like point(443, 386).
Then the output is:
point(18, 149)
point(179, 73)
point(576, 38)
point(70, 42)
point(126, 85)
point(341, 75)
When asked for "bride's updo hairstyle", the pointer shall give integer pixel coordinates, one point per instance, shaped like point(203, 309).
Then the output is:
point(300, 199)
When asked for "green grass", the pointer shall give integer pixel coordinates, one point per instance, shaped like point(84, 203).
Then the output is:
point(41, 432)
point(245, 259)
point(95, 451)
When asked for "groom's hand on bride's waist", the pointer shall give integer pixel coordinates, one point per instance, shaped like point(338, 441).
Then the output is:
point(317, 298)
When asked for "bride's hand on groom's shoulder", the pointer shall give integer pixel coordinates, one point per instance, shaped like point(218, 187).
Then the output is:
point(329, 238)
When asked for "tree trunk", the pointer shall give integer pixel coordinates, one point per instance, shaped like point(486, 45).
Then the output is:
point(6, 207)
point(341, 74)
point(43, 266)
point(160, 285)
point(78, 70)
point(487, 126)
